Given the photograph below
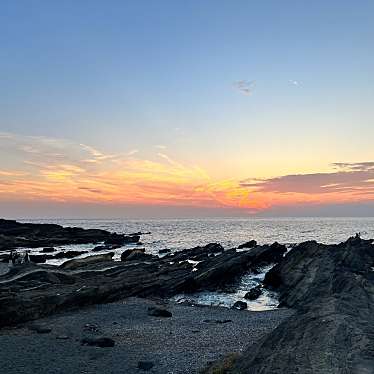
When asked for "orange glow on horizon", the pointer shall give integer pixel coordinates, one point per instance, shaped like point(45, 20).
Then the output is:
point(79, 173)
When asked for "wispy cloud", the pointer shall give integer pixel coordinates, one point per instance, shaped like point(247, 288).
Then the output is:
point(160, 146)
point(244, 87)
point(348, 182)
point(61, 170)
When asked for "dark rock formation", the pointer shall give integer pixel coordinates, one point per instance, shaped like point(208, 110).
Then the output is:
point(34, 291)
point(79, 262)
point(240, 305)
point(48, 249)
point(250, 244)
point(331, 287)
point(269, 253)
point(101, 342)
point(158, 312)
point(40, 329)
point(134, 254)
point(14, 235)
point(254, 293)
point(38, 259)
point(198, 253)
point(164, 251)
point(145, 365)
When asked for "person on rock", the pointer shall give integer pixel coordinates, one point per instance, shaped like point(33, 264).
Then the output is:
point(12, 256)
point(26, 259)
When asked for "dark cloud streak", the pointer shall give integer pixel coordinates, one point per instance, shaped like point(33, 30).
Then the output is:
point(349, 177)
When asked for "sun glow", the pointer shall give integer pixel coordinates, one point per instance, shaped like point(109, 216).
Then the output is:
point(59, 170)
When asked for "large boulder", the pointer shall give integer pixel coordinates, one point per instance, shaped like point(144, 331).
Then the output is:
point(268, 254)
point(240, 305)
point(249, 244)
point(137, 253)
point(254, 293)
point(89, 260)
point(69, 254)
point(331, 288)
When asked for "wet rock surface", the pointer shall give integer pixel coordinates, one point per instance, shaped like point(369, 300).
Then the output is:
point(30, 291)
point(240, 305)
point(331, 287)
point(254, 293)
point(250, 244)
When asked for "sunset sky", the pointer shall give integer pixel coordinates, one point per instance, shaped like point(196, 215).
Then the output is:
point(186, 108)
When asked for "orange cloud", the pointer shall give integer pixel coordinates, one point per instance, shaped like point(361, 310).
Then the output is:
point(60, 170)
point(64, 171)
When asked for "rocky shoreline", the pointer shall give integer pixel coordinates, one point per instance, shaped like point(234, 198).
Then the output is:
point(330, 288)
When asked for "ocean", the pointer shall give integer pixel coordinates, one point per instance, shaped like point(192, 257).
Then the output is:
point(178, 234)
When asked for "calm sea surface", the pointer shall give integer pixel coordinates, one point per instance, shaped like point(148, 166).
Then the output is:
point(178, 234)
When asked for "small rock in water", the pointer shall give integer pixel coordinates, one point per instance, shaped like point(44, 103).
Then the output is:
point(250, 244)
point(101, 342)
point(62, 337)
point(145, 365)
point(158, 312)
point(101, 248)
point(38, 259)
point(48, 249)
point(40, 329)
point(163, 251)
point(253, 293)
point(240, 305)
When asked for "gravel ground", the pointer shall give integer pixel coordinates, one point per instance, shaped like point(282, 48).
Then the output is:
point(4, 268)
point(181, 344)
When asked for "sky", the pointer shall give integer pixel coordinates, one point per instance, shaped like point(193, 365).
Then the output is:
point(175, 108)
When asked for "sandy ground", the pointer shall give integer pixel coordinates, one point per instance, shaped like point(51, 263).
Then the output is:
point(181, 344)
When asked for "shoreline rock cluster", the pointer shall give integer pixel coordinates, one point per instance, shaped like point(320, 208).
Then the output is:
point(329, 287)
point(30, 291)
point(14, 234)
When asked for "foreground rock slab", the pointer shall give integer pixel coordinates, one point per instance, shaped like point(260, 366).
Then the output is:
point(332, 289)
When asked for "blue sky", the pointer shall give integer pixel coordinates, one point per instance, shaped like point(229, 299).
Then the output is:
point(131, 75)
